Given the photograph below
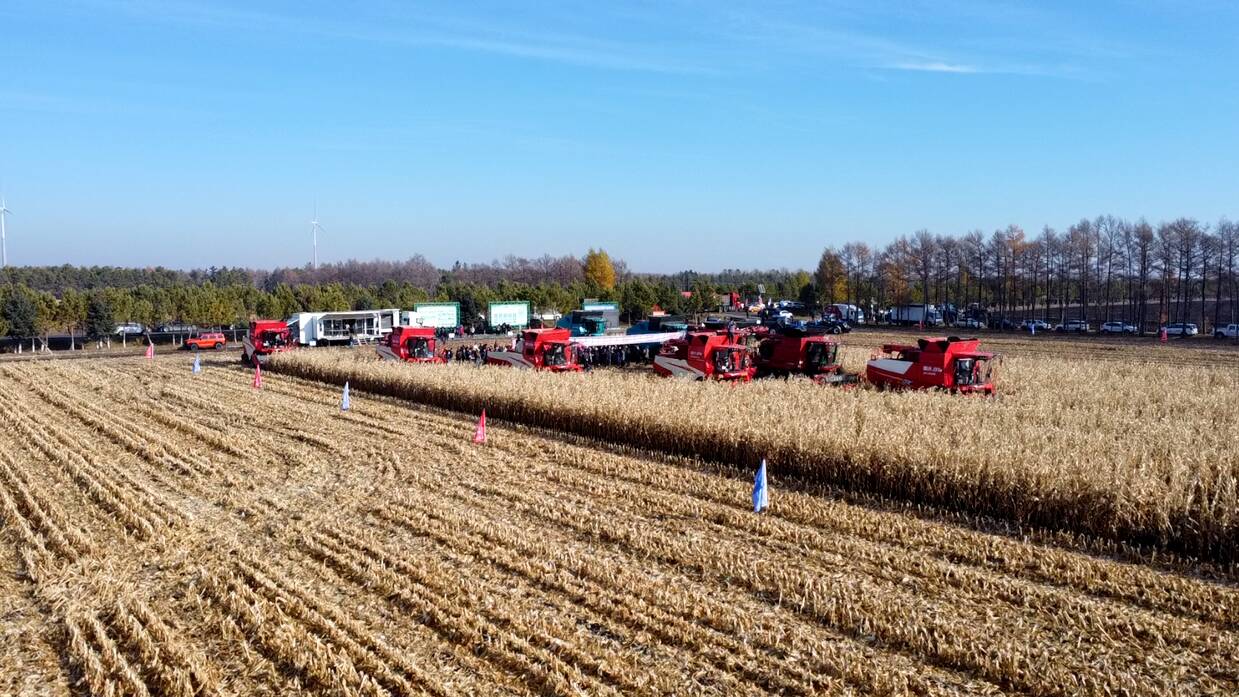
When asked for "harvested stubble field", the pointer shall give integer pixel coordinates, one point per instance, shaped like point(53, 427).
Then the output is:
point(1136, 450)
point(176, 534)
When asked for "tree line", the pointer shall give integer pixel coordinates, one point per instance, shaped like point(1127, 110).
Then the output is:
point(1099, 270)
point(91, 301)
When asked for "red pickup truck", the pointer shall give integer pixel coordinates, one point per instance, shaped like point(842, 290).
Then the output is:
point(208, 340)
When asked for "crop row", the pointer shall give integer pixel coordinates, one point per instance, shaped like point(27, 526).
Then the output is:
point(950, 615)
point(1062, 448)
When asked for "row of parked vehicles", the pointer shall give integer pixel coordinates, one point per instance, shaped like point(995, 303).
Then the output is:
point(201, 340)
point(1076, 326)
point(1227, 331)
point(137, 329)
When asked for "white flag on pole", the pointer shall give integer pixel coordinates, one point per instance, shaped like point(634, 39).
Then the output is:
point(761, 493)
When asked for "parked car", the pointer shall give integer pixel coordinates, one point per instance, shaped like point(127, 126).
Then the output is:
point(177, 328)
point(1035, 325)
point(1118, 328)
point(1230, 331)
point(830, 325)
point(1002, 323)
point(207, 340)
point(1074, 325)
point(1181, 329)
point(970, 323)
point(129, 328)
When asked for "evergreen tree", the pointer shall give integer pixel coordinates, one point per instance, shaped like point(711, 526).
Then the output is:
point(99, 322)
point(20, 312)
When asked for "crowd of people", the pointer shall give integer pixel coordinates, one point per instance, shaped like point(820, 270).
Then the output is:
point(587, 356)
point(475, 353)
point(618, 356)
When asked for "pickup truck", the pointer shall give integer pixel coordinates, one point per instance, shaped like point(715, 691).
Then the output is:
point(206, 340)
point(1229, 331)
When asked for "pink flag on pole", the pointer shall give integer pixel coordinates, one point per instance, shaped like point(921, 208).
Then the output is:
point(257, 376)
point(479, 435)
point(150, 350)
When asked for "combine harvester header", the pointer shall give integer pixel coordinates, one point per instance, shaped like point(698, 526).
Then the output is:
point(791, 351)
point(703, 356)
point(556, 349)
point(410, 344)
point(539, 349)
point(265, 337)
point(948, 363)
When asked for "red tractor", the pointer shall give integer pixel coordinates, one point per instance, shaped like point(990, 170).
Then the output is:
point(948, 363)
point(411, 344)
point(540, 349)
point(799, 352)
point(704, 356)
point(265, 337)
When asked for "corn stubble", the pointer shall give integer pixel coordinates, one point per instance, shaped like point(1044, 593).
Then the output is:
point(177, 535)
point(1135, 452)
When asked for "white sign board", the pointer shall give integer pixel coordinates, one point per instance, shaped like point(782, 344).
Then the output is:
point(515, 314)
point(439, 314)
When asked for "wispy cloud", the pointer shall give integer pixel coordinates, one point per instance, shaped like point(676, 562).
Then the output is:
point(938, 67)
point(414, 27)
point(908, 37)
point(722, 39)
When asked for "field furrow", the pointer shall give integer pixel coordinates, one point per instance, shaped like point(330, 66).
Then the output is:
point(177, 534)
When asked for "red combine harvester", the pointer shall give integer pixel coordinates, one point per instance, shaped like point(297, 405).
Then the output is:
point(411, 344)
point(948, 363)
point(799, 352)
point(704, 356)
point(540, 349)
point(265, 337)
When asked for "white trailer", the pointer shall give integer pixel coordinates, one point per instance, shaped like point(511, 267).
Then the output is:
point(910, 315)
point(849, 313)
point(327, 328)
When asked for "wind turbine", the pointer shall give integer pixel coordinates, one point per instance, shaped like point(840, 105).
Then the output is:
point(4, 241)
point(315, 227)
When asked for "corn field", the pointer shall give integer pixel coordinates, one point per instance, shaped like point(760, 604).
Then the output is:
point(175, 534)
point(1135, 447)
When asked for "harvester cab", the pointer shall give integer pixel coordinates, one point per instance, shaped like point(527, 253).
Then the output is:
point(540, 349)
point(265, 337)
point(948, 363)
point(793, 351)
point(704, 356)
point(584, 323)
point(411, 344)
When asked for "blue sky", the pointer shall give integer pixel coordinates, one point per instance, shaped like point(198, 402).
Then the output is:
point(676, 135)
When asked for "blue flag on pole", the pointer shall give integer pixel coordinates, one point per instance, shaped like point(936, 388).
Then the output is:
point(344, 402)
point(197, 365)
point(761, 494)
